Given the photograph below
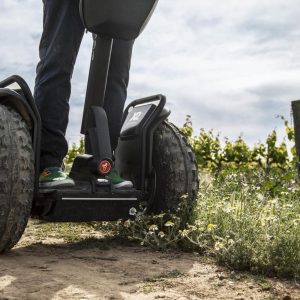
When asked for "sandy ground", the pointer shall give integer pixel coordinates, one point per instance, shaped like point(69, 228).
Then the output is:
point(103, 268)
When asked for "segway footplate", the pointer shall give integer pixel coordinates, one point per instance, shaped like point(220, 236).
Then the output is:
point(67, 205)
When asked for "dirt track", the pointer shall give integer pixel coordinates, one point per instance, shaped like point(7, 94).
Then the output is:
point(102, 268)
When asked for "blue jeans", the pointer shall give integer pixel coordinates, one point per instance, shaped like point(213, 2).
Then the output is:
point(59, 46)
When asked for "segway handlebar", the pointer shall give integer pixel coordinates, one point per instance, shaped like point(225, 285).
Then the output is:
point(159, 97)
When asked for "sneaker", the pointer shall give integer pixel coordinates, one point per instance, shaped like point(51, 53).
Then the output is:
point(117, 181)
point(54, 177)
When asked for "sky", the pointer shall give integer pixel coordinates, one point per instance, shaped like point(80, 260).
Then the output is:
point(232, 65)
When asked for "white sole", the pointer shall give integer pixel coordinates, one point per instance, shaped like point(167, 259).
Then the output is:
point(58, 183)
point(123, 185)
point(70, 183)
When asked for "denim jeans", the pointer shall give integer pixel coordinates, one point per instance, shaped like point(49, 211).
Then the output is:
point(59, 46)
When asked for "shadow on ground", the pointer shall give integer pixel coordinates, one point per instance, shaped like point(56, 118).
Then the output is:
point(47, 264)
point(89, 269)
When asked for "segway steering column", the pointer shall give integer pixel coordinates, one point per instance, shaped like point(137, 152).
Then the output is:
point(94, 122)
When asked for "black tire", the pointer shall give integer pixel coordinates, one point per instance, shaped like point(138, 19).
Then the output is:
point(16, 177)
point(176, 169)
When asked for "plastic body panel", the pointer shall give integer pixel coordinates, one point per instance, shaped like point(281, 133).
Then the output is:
point(134, 151)
point(85, 203)
point(96, 86)
point(97, 140)
point(118, 19)
point(135, 120)
point(64, 206)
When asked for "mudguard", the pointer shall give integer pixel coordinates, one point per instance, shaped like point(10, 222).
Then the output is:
point(21, 100)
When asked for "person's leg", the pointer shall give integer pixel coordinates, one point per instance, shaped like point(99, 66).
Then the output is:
point(59, 46)
point(116, 91)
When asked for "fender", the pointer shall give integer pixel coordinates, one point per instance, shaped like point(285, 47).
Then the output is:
point(21, 100)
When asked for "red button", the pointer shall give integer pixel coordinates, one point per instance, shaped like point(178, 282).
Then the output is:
point(104, 167)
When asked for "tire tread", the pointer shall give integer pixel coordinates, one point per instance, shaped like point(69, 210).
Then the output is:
point(176, 168)
point(16, 177)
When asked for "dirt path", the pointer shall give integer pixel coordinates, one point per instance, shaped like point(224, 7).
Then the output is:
point(105, 269)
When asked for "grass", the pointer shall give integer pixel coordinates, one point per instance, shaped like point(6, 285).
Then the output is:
point(248, 221)
point(248, 227)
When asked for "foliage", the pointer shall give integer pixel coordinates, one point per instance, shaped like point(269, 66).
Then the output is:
point(248, 227)
point(248, 209)
point(157, 231)
point(72, 153)
point(213, 156)
point(247, 220)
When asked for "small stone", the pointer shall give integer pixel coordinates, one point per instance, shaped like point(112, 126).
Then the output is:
point(221, 276)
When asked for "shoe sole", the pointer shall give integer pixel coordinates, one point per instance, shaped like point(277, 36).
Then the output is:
point(70, 183)
point(58, 183)
point(123, 185)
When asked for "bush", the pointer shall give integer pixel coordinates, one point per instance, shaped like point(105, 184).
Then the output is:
point(248, 227)
point(237, 155)
point(248, 211)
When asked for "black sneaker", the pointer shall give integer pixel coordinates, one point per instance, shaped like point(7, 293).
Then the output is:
point(117, 181)
point(54, 177)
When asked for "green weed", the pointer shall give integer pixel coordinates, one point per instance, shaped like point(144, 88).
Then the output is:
point(248, 209)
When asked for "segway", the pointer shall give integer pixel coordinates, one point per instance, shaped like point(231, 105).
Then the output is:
point(151, 152)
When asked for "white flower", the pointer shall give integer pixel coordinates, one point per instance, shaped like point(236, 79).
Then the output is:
point(218, 246)
point(273, 201)
point(169, 224)
point(260, 197)
point(230, 241)
point(184, 232)
point(153, 227)
point(161, 234)
point(192, 227)
point(228, 209)
point(132, 211)
point(127, 224)
point(268, 237)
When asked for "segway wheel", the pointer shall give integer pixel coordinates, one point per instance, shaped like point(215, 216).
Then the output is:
point(175, 168)
point(16, 177)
